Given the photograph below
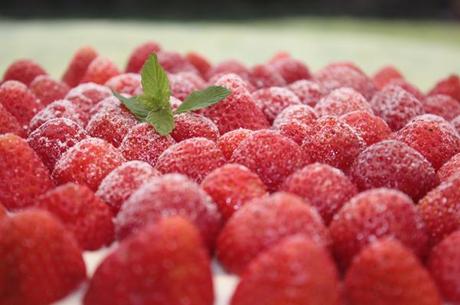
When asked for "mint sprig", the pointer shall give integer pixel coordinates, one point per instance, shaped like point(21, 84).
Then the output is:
point(153, 105)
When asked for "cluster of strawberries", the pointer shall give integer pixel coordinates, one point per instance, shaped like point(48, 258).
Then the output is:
point(316, 189)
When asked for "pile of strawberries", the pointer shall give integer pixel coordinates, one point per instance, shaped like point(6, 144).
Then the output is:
point(326, 188)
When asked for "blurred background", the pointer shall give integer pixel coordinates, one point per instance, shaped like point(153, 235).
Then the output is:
point(421, 38)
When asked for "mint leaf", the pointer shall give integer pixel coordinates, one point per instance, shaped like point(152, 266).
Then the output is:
point(138, 109)
point(155, 83)
point(162, 120)
point(203, 98)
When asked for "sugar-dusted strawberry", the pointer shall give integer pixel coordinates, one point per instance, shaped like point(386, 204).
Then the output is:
point(140, 54)
point(385, 75)
point(127, 83)
point(440, 209)
point(199, 62)
point(263, 222)
point(326, 188)
point(19, 101)
point(229, 141)
point(192, 125)
point(142, 142)
point(442, 105)
point(388, 273)
point(55, 137)
point(231, 186)
point(194, 78)
point(309, 92)
point(409, 88)
point(448, 86)
point(47, 89)
point(371, 128)
point(393, 164)
point(444, 266)
point(396, 106)
point(339, 75)
point(60, 109)
point(86, 96)
point(164, 264)
point(111, 122)
point(375, 214)
point(238, 110)
point(87, 163)
point(341, 101)
point(296, 122)
point(78, 65)
point(436, 140)
point(9, 124)
point(41, 261)
point(99, 71)
point(180, 86)
point(264, 76)
point(273, 100)
point(165, 196)
point(449, 169)
point(24, 71)
point(333, 142)
point(270, 155)
point(291, 69)
point(195, 158)
point(231, 66)
point(294, 271)
point(22, 174)
point(86, 216)
point(174, 62)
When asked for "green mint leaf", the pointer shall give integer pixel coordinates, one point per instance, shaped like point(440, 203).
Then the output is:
point(155, 83)
point(203, 98)
point(162, 120)
point(137, 108)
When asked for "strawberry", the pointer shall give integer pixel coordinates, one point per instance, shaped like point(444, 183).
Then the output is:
point(294, 271)
point(264, 76)
point(24, 71)
point(48, 90)
point(341, 101)
point(296, 122)
point(449, 169)
point(140, 54)
point(41, 261)
point(128, 83)
point(442, 105)
point(309, 92)
point(9, 124)
point(192, 125)
point(164, 264)
point(291, 69)
point(23, 176)
point(385, 75)
point(174, 62)
point(229, 67)
point(81, 212)
point(263, 222)
point(370, 127)
point(229, 141)
point(273, 100)
point(387, 273)
point(78, 66)
point(199, 62)
point(99, 71)
point(448, 86)
point(444, 266)
point(60, 109)
point(409, 88)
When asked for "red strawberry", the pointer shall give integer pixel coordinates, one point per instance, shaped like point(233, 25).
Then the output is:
point(195, 158)
point(128, 83)
point(61, 109)
point(19, 101)
point(81, 212)
point(9, 124)
point(174, 62)
point(164, 264)
point(99, 71)
point(54, 138)
point(24, 71)
point(199, 62)
point(296, 122)
point(231, 140)
point(409, 88)
point(264, 76)
point(440, 209)
point(273, 100)
point(3, 212)
point(309, 92)
point(270, 155)
point(229, 67)
point(192, 125)
point(140, 54)
point(442, 105)
point(387, 273)
point(374, 214)
point(262, 223)
point(22, 174)
point(444, 266)
point(449, 169)
point(181, 87)
point(78, 66)
point(385, 75)
point(325, 187)
point(231, 186)
point(370, 127)
point(341, 101)
point(169, 195)
point(48, 90)
point(294, 271)
point(393, 164)
point(41, 261)
point(123, 181)
point(448, 86)
point(291, 69)
point(143, 143)
point(87, 163)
